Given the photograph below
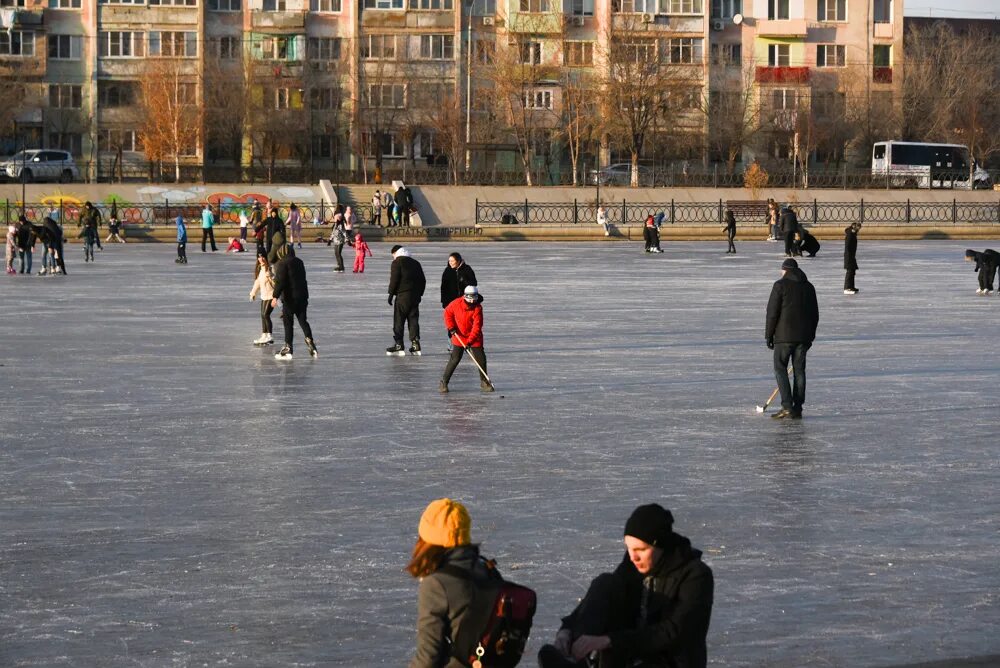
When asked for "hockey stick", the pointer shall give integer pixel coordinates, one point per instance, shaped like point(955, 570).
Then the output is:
point(475, 361)
point(761, 409)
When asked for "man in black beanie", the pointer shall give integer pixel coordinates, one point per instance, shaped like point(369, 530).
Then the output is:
point(789, 330)
point(654, 608)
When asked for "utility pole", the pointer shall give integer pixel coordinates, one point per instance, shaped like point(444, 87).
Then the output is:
point(468, 85)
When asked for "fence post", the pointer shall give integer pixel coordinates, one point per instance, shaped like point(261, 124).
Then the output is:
point(715, 178)
point(671, 210)
point(477, 212)
point(862, 219)
point(525, 210)
point(322, 214)
point(845, 176)
point(624, 212)
point(6, 211)
point(166, 209)
point(576, 213)
point(907, 210)
point(954, 211)
point(815, 211)
point(720, 210)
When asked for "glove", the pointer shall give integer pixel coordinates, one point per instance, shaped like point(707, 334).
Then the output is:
point(390, 300)
point(770, 343)
point(452, 332)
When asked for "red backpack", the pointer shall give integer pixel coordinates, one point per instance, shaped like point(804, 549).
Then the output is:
point(495, 631)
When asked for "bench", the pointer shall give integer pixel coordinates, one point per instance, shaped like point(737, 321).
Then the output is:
point(752, 209)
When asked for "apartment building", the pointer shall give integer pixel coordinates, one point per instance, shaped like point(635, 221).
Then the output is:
point(383, 83)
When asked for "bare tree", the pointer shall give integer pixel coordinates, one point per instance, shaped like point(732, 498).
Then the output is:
point(733, 114)
point(171, 120)
point(580, 120)
point(226, 101)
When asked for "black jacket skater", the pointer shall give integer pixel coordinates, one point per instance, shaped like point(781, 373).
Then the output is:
point(454, 282)
point(809, 245)
point(850, 248)
point(290, 283)
point(792, 310)
point(406, 276)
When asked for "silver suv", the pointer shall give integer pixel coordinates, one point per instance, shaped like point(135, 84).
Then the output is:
point(41, 165)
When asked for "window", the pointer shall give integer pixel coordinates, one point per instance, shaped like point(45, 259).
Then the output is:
point(583, 7)
point(64, 4)
point(423, 144)
point(783, 99)
point(281, 98)
point(831, 10)
point(534, 5)
point(187, 93)
point(173, 44)
point(11, 3)
point(685, 98)
point(531, 53)
point(578, 54)
point(726, 9)
point(122, 2)
point(537, 99)
point(378, 47)
point(391, 144)
point(17, 43)
point(324, 48)
point(277, 48)
point(110, 139)
point(485, 51)
point(883, 11)
point(120, 44)
point(65, 47)
point(830, 55)
point(729, 55)
point(273, 5)
point(685, 50)
point(829, 103)
point(65, 96)
point(635, 52)
point(634, 6)
point(779, 55)
point(882, 55)
point(173, 3)
point(324, 5)
point(224, 5)
point(67, 141)
point(383, 4)
point(777, 9)
point(324, 98)
point(431, 4)
point(228, 47)
point(324, 147)
point(387, 96)
point(681, 6)
point(484, 7)
point(114, 94)
point(437, 47)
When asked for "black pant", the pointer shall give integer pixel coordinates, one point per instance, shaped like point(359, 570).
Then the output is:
point(206, 234)
point(291, 312)
point(406, 310)
point(732, 246)
point(986, 276)
point(338, 250)
point(243, 234)
point(849, 280)
point(265, 316)
point(181, 250)
point(604, 609)
point(456, 356)
point(790, 243)
point(792, 397)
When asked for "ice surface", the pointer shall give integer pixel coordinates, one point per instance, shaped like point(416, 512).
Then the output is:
point(172, 496)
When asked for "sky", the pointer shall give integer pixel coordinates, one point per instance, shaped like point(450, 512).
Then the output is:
point(973, 9)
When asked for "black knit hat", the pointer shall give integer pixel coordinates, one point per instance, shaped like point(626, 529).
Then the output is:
point(789, 264)
point(392, 251)
point(651, 524)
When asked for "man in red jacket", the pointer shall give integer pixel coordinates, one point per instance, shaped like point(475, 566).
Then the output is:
point(463, 318)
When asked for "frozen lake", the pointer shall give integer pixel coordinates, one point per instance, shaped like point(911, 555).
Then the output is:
point(172, 496)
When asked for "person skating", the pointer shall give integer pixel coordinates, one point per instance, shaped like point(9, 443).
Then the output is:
point(986, 266)
point(274, 234)
point(651, 236)
point(208, 228)
point(361, 249)
point(264, 284)
point(773, 221)
point(91, 217)
point(406, 287)
point(182, 239)
point(291, 288)
point(115, 232)
point(792, 318)
point(789, 226)
point(295, 224)
point(235, 246)
point(11, 247)
point(338, 237)
point(457, 276)
point(259, 227)
point(44, 235)
point(244, 221)
point(850, 257)
point(54, 235)
point(91, 238)
point(730, 230)
point(653, 610)
point(25, 240)
point(807, 243)
point(463, 318)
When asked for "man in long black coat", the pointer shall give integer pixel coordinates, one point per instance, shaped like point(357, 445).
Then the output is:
point(792, 318)
point(789, 226)
point(850, 257)
point(291, 288)
point(406, 286)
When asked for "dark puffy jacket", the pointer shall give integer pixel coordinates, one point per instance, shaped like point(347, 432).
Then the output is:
point(290, 282)
point(789, 222)
point(274, 227)
point(792, 310)
point(850, 249)
point(454, 282)
point(809, 243)
point(407, 276)
point(676, 596)
point(55, 233)
point(25, 236)
point(443, 601)
point(990, 260)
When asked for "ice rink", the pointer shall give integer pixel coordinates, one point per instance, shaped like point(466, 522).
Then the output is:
point(172, 496)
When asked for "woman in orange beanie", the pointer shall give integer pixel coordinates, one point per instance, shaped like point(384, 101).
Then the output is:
point(446, 562)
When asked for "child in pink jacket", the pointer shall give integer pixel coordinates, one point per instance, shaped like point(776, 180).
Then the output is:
point(360, 248)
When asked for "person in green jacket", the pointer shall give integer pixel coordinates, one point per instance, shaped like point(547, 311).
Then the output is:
point(207, 224)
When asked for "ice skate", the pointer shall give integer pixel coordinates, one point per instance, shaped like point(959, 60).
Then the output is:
point(484, 386)
point(783, 414)
point(414, 347)
point(42, 272)
point(311, 345)
point(263, 339)
point(284, 354)
point(850, 292)
point(442, 387)
point(979, 291)
point(397, 349)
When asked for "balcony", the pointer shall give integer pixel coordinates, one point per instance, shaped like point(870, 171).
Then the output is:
point(278, 20)
point(882, 75)
point(782, 75)
point(883, 30)
point(782, 28)
point(18, 67)
point(24, 18)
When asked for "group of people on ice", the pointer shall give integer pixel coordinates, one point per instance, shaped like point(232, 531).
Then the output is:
point(22, 238)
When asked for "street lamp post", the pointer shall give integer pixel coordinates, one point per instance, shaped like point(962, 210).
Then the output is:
point(24, 159)
point(468, 84)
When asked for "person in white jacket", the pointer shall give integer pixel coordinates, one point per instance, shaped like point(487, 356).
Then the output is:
point(602, 220)
point(264, 284)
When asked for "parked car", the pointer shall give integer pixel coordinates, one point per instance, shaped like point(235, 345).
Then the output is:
point(620, 174)
point(41, 165)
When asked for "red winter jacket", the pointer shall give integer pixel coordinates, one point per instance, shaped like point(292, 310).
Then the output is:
point(468, 320)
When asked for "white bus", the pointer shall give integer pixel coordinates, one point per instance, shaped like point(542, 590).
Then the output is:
point(922, 165)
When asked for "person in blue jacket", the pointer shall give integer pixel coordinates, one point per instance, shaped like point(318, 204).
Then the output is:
point(182, 239)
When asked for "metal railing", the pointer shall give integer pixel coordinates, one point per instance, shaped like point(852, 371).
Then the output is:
point(711, 213)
